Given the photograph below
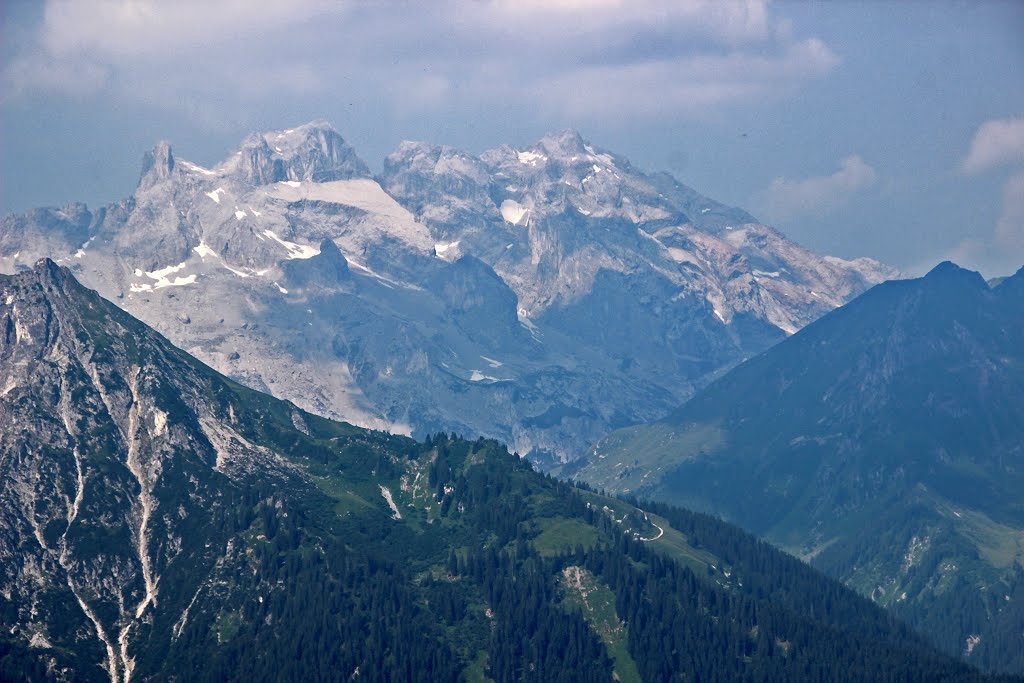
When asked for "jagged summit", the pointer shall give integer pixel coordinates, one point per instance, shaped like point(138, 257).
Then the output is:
point(48, 268)
point(312, 152)
point(286, 265)
point(563, 150)
point(427, 157)
point(565, 143)
point(157, 164)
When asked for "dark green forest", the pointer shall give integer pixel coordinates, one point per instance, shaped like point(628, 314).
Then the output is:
point(473, 593)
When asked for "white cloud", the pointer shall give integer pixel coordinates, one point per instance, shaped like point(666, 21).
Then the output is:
point(785, 199)
point(154, 28)
point(583, 58)
point(996, 143)
point(733, 22)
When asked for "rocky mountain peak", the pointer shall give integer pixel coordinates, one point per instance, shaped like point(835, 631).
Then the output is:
point(1012, 288)
point(564, 143)
point(947, 271)
point(416, 153)
point(575, 255)
point(311, 152)
point(46, 271)
point(157, 165)
point(425, 157)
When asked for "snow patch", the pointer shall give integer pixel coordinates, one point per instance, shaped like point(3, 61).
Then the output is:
point(162, 273)
point(280, 288)
point(292, 183)
point(239, 214)
point(478, 376)
point(295, 251)
point(215, 195)
point(204, 250)
point(195, 167)
point(515, 213)
point(493, 363)
point(386, 281)
point(442, 248)
point(599, 156)
point(161, 279)
point(530, 158)
point(367, 195)
point(528, 324)
point(761, 273)
point(239, 273)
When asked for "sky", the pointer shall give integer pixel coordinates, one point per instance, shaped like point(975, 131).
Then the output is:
point(893, 130)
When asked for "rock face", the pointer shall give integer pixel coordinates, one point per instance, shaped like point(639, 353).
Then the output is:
point(552, 218)
point(540, 296)
point(113, 462)
point(883, 442)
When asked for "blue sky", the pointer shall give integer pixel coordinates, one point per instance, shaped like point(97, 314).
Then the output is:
point(886, 129)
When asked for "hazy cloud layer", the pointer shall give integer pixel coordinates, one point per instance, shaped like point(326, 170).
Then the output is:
point(996, 143)
point(818, 196)
point(584, 58)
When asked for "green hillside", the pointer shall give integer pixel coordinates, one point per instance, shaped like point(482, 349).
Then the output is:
point(161, 522)
point(883, 443)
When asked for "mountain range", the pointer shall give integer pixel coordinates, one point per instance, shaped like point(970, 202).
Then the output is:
point(540, 296)
point(164, 522)
point(883, 443)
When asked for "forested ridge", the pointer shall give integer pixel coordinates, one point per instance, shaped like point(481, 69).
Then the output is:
point(297, 548)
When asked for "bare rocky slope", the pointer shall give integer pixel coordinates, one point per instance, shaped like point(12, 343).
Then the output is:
point(541, 296)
